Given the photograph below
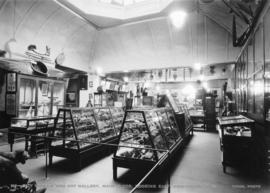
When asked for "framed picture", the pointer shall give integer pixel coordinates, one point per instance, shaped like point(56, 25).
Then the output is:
point(44, 89)
point(91, 84)
point(11, 104)
point(11, 82)
point(71, 98)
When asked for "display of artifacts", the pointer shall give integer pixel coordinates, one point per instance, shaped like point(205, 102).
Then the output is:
point(105, 123)
point(11, 82)
point(85, 128)
point(147, 134)
point(118, 116)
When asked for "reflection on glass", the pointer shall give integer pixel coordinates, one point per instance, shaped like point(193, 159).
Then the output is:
point(44, 98)
point(105, 124)
point(58, 97)
point(134, 137)
point(27, 97)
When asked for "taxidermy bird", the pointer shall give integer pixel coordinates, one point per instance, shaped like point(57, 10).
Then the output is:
point(7, 47)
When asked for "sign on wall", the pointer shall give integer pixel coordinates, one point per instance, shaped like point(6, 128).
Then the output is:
point(11, 82)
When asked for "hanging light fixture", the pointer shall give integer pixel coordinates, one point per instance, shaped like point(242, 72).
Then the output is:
point(178, 18)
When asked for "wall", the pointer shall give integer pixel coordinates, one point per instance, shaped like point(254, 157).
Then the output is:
point(84, 94)
point(252, 74)
point(157, 44)
point(44, 22)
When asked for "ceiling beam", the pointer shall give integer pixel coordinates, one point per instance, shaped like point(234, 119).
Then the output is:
point(135, 22)
point(215, 21)
point(3, 5)
point(76, 13)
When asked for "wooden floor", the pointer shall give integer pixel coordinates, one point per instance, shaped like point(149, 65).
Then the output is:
point(196, 169)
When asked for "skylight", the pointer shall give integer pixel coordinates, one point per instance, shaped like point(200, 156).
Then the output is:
point(120, 9)
point(121, 2)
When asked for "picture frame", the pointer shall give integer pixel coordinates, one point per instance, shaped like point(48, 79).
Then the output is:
point(11, 104)
point(71, 98)
point(11, 82)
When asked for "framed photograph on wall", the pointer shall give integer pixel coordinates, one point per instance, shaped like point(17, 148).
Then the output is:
point(11, 104)
point(71, 98)
point(11, 82)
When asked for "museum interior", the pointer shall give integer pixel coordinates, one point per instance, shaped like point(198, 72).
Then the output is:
point(134, 96)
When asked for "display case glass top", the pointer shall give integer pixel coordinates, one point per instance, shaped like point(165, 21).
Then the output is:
point(30, 122)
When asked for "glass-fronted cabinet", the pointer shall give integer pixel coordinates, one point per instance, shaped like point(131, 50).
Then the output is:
point(145, 138)
point(39, 96)
point(27, 97)
point(79, 131)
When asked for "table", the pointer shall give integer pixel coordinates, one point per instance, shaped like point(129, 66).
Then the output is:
point(236, 137)
point(198, 119)
point(27, 128)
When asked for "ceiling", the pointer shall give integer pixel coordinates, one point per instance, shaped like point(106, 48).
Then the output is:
point(220, 11)
point(142, 42)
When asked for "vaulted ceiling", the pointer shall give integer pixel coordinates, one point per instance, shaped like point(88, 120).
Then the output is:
point(148, 41)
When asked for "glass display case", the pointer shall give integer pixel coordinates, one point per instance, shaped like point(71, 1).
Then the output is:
point(145, 138)
point(39, 96)
point(85, 128)
point(79, 131)
point(17, 122)
point(27, 126)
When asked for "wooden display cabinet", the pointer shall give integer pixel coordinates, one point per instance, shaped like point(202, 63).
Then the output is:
point(38, 96)
point(237, 135)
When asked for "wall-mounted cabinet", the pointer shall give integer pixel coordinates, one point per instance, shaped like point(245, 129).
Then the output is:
point(39, 96)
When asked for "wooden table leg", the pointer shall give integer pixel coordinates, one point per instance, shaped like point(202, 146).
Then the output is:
point(11, 140)
point(114, 171)
point(26, 142)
